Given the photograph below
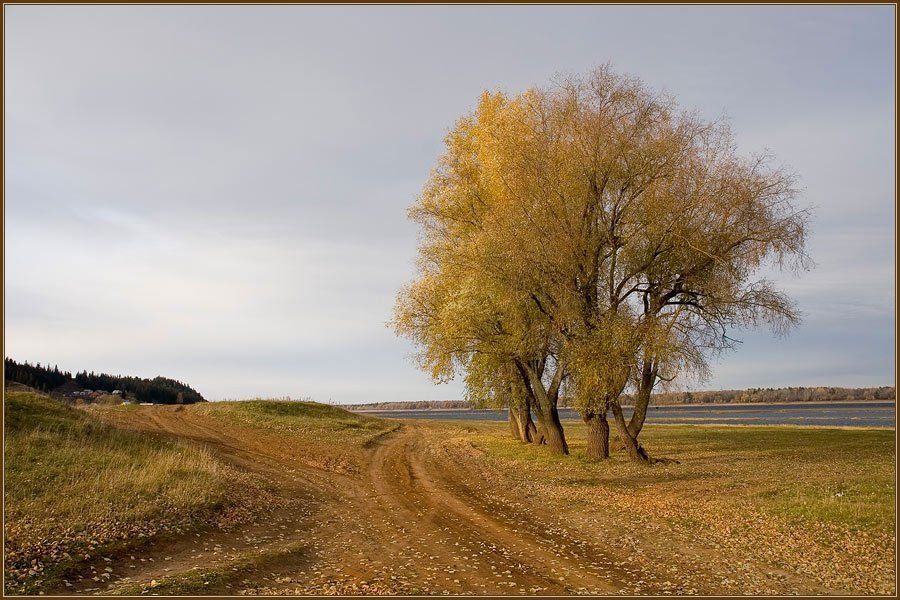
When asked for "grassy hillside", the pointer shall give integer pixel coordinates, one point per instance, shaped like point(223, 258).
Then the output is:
point(318, 421)
point(93, 482)
point(76, 487)
point(316, 435)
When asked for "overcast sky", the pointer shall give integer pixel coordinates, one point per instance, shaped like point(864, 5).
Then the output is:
point(217, 194)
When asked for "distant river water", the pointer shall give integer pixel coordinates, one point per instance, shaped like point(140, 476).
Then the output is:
point(879, 413)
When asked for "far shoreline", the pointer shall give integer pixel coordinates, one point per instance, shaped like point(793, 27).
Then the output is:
point(652, 406)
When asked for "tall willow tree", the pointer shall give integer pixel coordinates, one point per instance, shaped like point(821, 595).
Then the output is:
point(460, 310)
point(614, 239)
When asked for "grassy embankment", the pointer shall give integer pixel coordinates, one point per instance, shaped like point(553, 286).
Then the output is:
point(316, 424)
point(821, 500)
point(87, 483)
point(308, 433)
point(77, 487)
point(315, 435)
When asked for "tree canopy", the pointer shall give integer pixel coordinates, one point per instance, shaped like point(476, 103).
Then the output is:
point(591, 234)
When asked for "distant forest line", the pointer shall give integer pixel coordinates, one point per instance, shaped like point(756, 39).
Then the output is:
point(748, 396)
point(159, 390)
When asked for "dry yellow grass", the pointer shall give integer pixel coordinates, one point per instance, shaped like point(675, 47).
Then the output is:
point(310, 420)
point(77, 486)
point(313, 434)
point(820, 502)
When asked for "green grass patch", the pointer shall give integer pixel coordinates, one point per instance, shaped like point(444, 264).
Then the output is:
point(841, 476)
point(318, 421)
point(76, 485)
point(855, 501)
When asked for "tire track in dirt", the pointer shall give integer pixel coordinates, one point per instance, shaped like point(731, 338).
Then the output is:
point(457, 554)
point(209, 547)
point(406, 522)
point(547, 557)
point(584, 567)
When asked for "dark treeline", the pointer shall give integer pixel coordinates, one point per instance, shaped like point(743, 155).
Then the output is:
point(753, 395)
point(159, 390)
point(789, 394)
point(36, 376)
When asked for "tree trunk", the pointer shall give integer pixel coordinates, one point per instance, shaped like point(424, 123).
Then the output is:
point(532, 431)
point(641, 403)
point(520, 424)
point(544, 403)
point(540, 437)
point(642, 399)
point(635, 452)
point(636, 423)
point(514, 423)
point(597, 435)
point(554, 436)
point(526, 427)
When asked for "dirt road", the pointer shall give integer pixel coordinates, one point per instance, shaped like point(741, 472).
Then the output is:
point(411, 516)
point(406, 521)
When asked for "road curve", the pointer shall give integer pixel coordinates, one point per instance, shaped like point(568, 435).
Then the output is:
point(406, 521)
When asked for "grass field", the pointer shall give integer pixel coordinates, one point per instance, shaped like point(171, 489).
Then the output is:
point(76, 486)
point(840, 476)
point(318, 423)
point(309, 433)
point(820, 499)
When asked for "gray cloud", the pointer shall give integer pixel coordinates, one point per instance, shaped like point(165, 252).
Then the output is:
point(218, 194)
